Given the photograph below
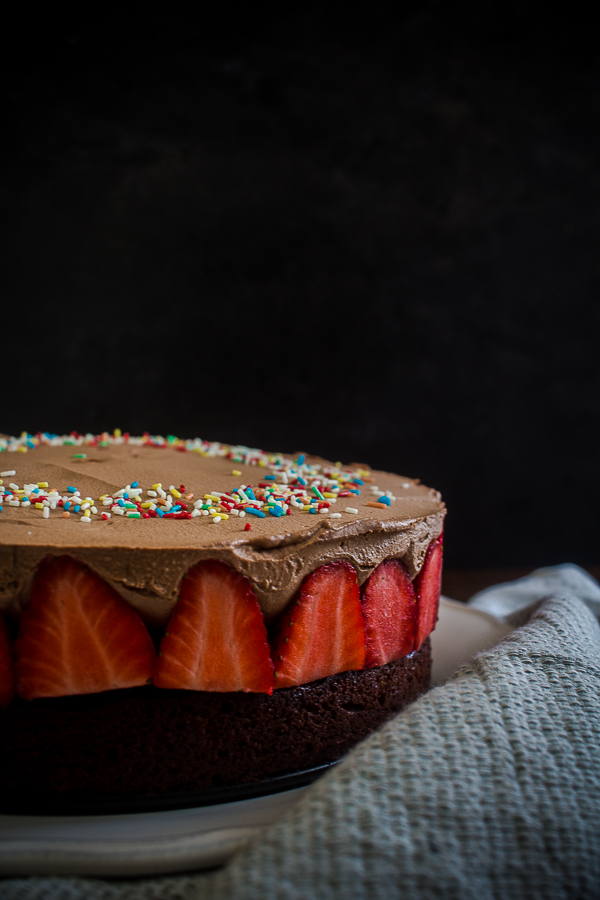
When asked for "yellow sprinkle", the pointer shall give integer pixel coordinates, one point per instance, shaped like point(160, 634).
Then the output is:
point(156, 486)
point(236, 472)
point(42, 484)
point(117, 432)
point(262, 463)
point(212, 497)
point(147, 504)
point(21, 449)
point(175, 493)
point(328, 494)
point(39, 505)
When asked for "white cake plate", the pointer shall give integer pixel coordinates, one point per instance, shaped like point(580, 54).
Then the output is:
point(179, 840)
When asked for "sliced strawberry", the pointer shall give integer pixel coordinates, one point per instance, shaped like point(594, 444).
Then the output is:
point(428, 584)
point(322, 632)
point(78, 636)
point(7, 672)
point(389, 609)
point(216, 639)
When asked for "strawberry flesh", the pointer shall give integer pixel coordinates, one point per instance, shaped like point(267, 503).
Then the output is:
point(216, 639)
point(428, 584)
point(7, 673)
point(322, 632)
point(78, 636)
point(389, 609)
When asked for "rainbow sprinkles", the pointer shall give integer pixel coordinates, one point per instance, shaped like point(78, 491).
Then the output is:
point(289, 486)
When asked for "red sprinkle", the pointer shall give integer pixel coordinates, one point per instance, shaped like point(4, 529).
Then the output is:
point(247, 526)
point(182, 488)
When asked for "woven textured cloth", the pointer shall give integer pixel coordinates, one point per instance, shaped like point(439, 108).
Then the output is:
point(487, 787)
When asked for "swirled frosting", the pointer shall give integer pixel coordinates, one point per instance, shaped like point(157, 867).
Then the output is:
point(145, 559)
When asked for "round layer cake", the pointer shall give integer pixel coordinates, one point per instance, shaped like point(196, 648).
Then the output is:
point(182, 614)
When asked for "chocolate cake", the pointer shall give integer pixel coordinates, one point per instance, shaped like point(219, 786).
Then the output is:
point(178, 615)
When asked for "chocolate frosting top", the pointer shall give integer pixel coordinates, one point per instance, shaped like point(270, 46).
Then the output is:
point(145, 559)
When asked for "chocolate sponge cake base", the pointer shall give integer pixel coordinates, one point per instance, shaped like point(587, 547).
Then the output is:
point(148, 742)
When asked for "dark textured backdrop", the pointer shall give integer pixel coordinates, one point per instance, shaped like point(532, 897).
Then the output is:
point(376, 239)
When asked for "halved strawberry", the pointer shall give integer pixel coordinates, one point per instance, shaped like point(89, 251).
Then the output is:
point(389, 608)
point(216, 639)
point(7, 672)
point(428, 584)
point(322, 631)
point(78, 636)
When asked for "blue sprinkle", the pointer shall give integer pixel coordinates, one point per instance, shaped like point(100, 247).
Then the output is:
point(385, 500)
point(125, 496)
point(121, 503)
point(159, 511)
point(1, 508)
point(250, 493)
point(67, 505)
point(301, 481)
point(357, 481)
point(175, 509)
point(77, 508)
point(31, 445)
point(270, 478)
point(255, 512)
point(300, 459)
point(355, 492)
point(136, 483)
point(36, 491)
point(72, 489)
point(276, 511)
point(312, 510)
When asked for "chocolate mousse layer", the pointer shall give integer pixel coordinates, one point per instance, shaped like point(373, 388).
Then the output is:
point(145, 559)
point(144, 741)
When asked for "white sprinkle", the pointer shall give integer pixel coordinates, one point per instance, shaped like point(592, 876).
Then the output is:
point(152, 493)
point(196, 512)
point(13, 503)
point(242, 513)
point(85, 519)
point(118, 510)
point(108, 501)
point(205, 512)
point(46, 512)
point(85, 506)
point(25, 503)
point(335, 515)
point(95, 510)
point(350, 509)
point(53, 505)
point(216, 520)
point(8, 473)
point(14, 486)
point(197, 503)
point(406, 484)
point(235, 512)
point(324, 511)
